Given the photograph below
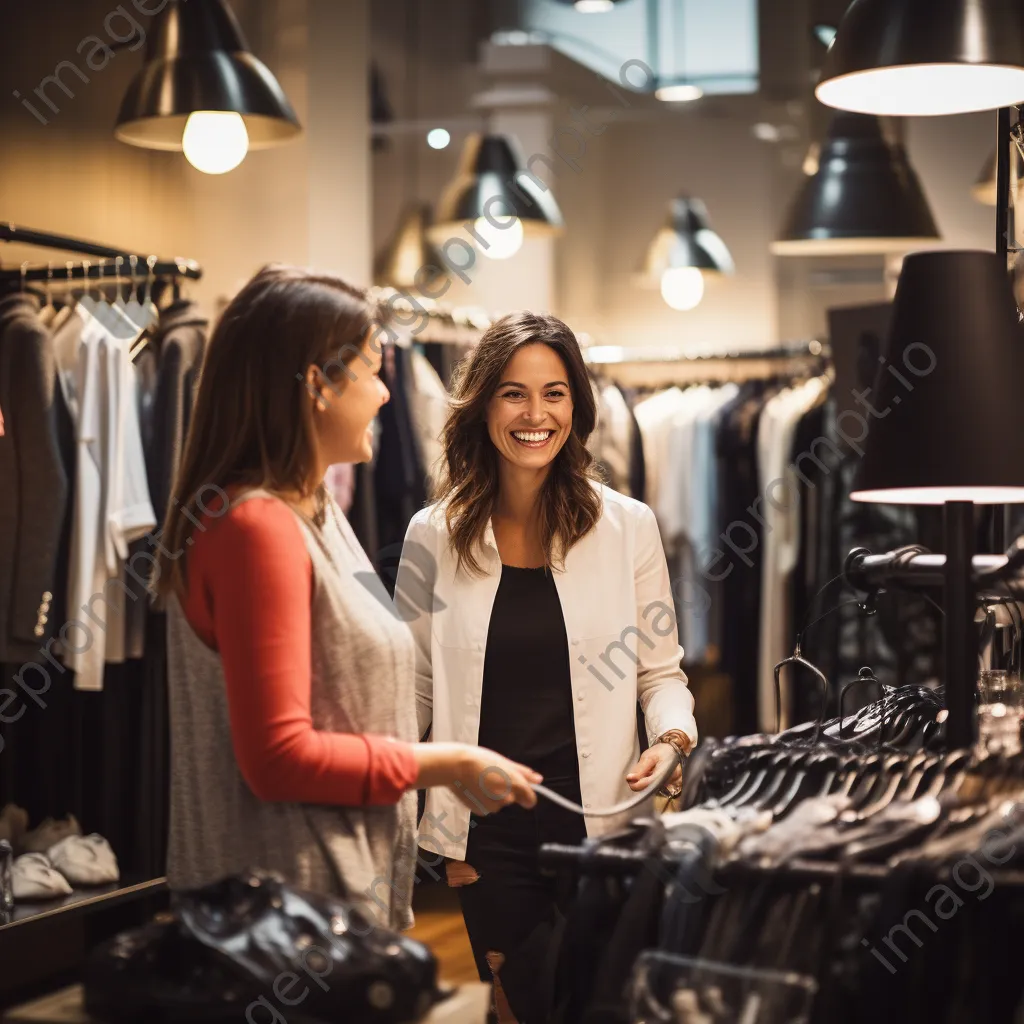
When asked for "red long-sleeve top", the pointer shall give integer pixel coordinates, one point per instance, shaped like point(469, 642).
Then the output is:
point(250, 582)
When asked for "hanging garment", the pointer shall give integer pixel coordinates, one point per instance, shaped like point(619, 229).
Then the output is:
point(611, 443)
point(128, 513)
point(654, 415)
point(179, 339)
point(35, 486)
point(780, 507)
point(399, 476)
point(428, 404)
point(694, 483)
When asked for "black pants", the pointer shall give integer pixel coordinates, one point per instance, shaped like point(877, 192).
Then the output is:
point(513, 909)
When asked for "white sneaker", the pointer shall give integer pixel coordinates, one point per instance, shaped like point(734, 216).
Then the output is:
point(34, 878)
point(85, 860)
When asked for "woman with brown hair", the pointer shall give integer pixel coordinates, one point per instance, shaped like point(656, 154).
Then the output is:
point(552, 614)
point(293, 725)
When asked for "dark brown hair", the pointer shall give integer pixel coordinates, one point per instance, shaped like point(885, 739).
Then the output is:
point(252, 423)
point(569, 506)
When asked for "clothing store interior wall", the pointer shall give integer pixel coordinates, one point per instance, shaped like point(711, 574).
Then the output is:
point(292, 723)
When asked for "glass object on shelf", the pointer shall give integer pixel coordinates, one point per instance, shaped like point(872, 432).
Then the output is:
point(1001, 704)
point(682, 990)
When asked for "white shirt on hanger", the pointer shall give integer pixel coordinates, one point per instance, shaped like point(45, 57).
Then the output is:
point(779, 493)
point(111, 501)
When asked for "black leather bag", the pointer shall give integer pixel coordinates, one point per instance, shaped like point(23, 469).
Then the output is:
point(253, 948)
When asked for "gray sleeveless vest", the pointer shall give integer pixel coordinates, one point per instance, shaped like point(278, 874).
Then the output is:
point(363, 660)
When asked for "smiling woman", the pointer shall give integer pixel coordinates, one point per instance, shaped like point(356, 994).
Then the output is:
point(534, 643)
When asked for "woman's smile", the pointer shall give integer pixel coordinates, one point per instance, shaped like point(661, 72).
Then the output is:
point(532, 438)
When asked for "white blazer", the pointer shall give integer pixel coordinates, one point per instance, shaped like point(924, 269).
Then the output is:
point(616, 600)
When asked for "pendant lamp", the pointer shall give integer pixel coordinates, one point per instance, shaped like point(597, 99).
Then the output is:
point(926, 57)
point(684, 252)
point(864, 198)
point(495, 200)
point(409, 255)
point(985, 188)
point(201, 90)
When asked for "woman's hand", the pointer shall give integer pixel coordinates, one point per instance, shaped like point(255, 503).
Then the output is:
point(484, 780)
point(652, 762)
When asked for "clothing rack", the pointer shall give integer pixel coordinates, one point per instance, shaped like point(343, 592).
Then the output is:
point(424, 320)
point(125, 263)
point(661, 365)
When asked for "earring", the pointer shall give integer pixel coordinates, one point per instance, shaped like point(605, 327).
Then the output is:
point(321, 404)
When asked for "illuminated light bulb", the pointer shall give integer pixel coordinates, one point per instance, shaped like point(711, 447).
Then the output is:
point(499, 243)
point(682, 287)
point(593, 6)
point(438, 138)
point(215, 141)
point(678, 93)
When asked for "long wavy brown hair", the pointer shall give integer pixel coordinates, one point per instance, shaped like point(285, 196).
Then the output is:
point(252, 424)
point(569, 505)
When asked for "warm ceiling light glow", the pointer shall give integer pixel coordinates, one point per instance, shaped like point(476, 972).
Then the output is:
point(594, 6)
point(501, 241)
point(940, 495)
point(924, 90)
point(679, 93)
point(682, 287)
point(438, 138)
point(812, 159)
point(215, 141)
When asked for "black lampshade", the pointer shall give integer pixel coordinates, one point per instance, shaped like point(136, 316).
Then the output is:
point(946, 421)
point(491, 178)
point(687, 240)
point(864, 198)
point(197, 59)
point(925, 57)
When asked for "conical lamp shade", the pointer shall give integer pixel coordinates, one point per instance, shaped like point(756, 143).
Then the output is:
point(865, 198)
point(197, 59)
point(409, 261)
point(926, 57)
point(491, 181)
point(946, 422)
point(984, 189)
point(687, 240)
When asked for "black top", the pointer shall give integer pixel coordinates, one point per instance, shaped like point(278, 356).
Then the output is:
point(526, 709)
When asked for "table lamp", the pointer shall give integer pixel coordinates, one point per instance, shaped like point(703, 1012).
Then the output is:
point(947, 427)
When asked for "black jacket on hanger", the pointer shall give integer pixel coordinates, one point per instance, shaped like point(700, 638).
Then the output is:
point(33, 480)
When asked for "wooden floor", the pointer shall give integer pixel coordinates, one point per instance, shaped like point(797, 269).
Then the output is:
point(439, 926)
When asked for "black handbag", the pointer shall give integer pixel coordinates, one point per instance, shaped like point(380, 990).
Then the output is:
point(252, 947)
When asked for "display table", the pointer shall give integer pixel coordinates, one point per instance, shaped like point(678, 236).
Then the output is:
point(467, 1006)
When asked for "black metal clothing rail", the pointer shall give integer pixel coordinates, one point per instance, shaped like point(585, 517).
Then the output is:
point(120, 264)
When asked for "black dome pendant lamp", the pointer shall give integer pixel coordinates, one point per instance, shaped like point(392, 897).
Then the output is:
point(864, 198)
point(202, 90)
point(925, 57)
point(685, 254)
point(500, 200)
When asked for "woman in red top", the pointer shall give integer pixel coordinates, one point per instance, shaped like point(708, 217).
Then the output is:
point(267, 639)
